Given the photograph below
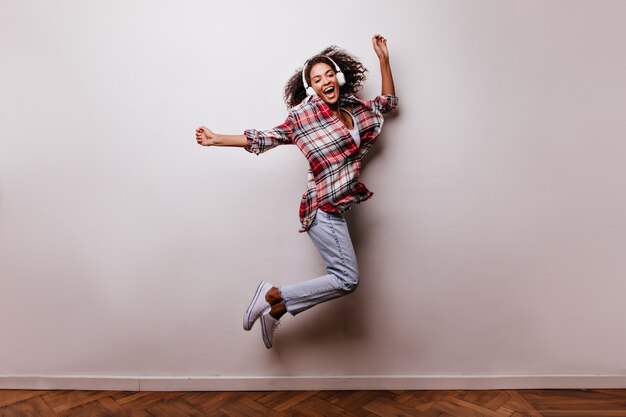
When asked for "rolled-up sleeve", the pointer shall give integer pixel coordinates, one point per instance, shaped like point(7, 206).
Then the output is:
point(384, 103)
point(259, 141)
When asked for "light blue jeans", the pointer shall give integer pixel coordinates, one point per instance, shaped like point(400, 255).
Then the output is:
point(329, 232)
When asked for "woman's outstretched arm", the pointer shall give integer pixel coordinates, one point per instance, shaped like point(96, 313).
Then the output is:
point(252, 140)
point(380, 47)
point(205, 137)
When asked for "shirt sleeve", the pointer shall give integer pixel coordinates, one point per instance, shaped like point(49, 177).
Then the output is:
point(259, 141)
point(384, 103)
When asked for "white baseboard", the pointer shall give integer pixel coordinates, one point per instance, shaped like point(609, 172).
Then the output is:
point(418, 382)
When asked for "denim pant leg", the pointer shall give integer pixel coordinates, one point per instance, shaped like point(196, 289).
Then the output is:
point(329, 232)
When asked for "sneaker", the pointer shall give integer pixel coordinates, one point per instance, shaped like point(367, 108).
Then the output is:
point(257, 306)
point(268, 325)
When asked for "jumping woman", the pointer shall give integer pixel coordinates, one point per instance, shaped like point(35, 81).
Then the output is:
point(334, 129)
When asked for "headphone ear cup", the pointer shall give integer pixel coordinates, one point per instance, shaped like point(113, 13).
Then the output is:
point(310, 91)
point(341, 79)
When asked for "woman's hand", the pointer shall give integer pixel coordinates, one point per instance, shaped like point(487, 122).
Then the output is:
point(204, 136)
point(380, 47)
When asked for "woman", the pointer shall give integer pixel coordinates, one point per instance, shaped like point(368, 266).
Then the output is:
point(334, 129)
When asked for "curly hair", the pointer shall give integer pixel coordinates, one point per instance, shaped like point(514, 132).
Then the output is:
point(352, 68)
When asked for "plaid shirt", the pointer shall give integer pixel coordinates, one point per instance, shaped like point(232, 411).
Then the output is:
point(334, 158)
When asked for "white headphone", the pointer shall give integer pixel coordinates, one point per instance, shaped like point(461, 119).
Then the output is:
point(340, 78)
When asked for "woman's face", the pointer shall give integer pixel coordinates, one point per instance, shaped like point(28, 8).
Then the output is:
point(324, 82)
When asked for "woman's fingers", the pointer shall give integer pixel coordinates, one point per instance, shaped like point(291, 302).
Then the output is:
point(378, 41)
point(202, 135)
point(380, 45)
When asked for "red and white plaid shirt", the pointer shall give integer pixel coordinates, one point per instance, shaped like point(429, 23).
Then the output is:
point(333, 155)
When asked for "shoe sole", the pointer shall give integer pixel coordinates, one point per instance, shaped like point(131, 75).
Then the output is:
point(266, 340)
point(246, 318)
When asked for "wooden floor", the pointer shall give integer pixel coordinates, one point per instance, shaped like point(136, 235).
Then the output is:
point(490, 403)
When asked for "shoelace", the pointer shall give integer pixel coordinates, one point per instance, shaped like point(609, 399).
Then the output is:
point(275, 325)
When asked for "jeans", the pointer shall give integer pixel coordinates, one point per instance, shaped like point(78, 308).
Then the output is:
point(329, 232)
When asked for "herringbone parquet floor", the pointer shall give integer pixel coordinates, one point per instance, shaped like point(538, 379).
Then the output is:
point(483, 403)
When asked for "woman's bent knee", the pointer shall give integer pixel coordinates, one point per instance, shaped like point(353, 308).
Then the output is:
point(350, 283)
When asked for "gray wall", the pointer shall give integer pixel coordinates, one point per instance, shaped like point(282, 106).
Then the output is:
point(494, 243)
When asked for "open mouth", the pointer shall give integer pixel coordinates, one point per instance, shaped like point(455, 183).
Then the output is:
point(330, 92)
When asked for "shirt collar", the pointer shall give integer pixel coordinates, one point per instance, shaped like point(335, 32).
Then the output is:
point(343, 100)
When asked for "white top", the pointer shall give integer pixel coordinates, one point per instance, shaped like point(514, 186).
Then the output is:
point(355, 129)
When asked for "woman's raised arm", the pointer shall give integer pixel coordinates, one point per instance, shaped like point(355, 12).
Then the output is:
point(380, 47)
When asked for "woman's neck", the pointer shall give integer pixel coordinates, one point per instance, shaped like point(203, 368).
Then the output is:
point(335, 108)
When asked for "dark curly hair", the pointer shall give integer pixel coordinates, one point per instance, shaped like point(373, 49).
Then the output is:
point(352, 68)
